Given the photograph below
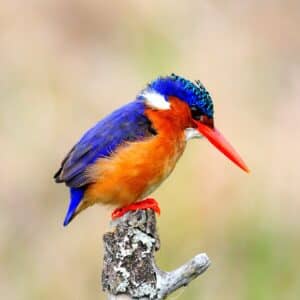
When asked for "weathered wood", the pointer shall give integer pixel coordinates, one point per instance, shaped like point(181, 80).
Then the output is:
point(129, 269)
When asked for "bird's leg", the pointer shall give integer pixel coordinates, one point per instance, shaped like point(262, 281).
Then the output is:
point(144, 204)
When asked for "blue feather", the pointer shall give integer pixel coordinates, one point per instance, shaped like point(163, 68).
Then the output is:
point(76, 196)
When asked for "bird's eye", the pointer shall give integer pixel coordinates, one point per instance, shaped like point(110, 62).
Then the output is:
point(196, 113)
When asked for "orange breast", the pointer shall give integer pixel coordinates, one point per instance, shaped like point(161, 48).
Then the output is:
point(137, 168)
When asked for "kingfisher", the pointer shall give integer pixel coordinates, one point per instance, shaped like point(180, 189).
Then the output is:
point(126, 156)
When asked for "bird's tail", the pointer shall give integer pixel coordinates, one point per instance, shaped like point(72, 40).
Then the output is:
point(76, 195)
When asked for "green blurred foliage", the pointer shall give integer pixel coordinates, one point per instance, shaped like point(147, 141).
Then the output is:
point(66, 64)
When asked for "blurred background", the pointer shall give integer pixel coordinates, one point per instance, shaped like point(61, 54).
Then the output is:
point(66, 64)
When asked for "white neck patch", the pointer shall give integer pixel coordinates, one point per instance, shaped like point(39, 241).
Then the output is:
point(156, 100)
point(192, 133)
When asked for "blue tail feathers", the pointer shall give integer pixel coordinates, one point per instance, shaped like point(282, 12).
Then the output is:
point(76, 195)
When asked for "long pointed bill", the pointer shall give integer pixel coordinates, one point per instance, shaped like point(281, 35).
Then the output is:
point(216, 138)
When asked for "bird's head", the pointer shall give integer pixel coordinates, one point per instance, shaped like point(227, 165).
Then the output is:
point(158, 93)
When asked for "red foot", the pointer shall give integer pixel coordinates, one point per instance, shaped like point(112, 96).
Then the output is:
point(145, 204)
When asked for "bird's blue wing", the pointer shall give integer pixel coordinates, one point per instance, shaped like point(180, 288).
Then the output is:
point(126, 124)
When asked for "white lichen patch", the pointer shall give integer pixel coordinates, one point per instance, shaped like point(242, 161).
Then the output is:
point(124, 250)
point(145, 239)
point(122, 287)
point(145, 289)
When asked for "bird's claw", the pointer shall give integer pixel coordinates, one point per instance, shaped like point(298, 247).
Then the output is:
point(144, 204)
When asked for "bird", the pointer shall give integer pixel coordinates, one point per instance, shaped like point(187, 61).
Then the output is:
point(124, 157)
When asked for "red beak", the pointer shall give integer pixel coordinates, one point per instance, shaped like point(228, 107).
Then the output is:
point(216, 138)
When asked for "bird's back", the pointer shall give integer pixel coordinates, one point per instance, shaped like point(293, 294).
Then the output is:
point(126, 124)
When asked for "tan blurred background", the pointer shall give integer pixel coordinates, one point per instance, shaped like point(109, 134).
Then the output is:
point(66, 64)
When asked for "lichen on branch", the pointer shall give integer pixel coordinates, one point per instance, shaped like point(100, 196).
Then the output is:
point(129, 269)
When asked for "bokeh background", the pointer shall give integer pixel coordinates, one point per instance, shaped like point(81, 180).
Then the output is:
point(66, 64)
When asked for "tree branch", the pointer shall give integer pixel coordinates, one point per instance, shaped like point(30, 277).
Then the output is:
point(129, 269)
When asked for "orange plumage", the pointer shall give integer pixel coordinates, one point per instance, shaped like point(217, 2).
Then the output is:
point(135, 169)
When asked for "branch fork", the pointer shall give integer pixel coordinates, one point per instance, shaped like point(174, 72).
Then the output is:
point(129, 268)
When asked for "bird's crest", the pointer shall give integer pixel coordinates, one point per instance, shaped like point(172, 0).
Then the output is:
point(194, 93)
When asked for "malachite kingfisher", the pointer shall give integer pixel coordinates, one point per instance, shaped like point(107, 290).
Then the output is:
point(128, 154)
